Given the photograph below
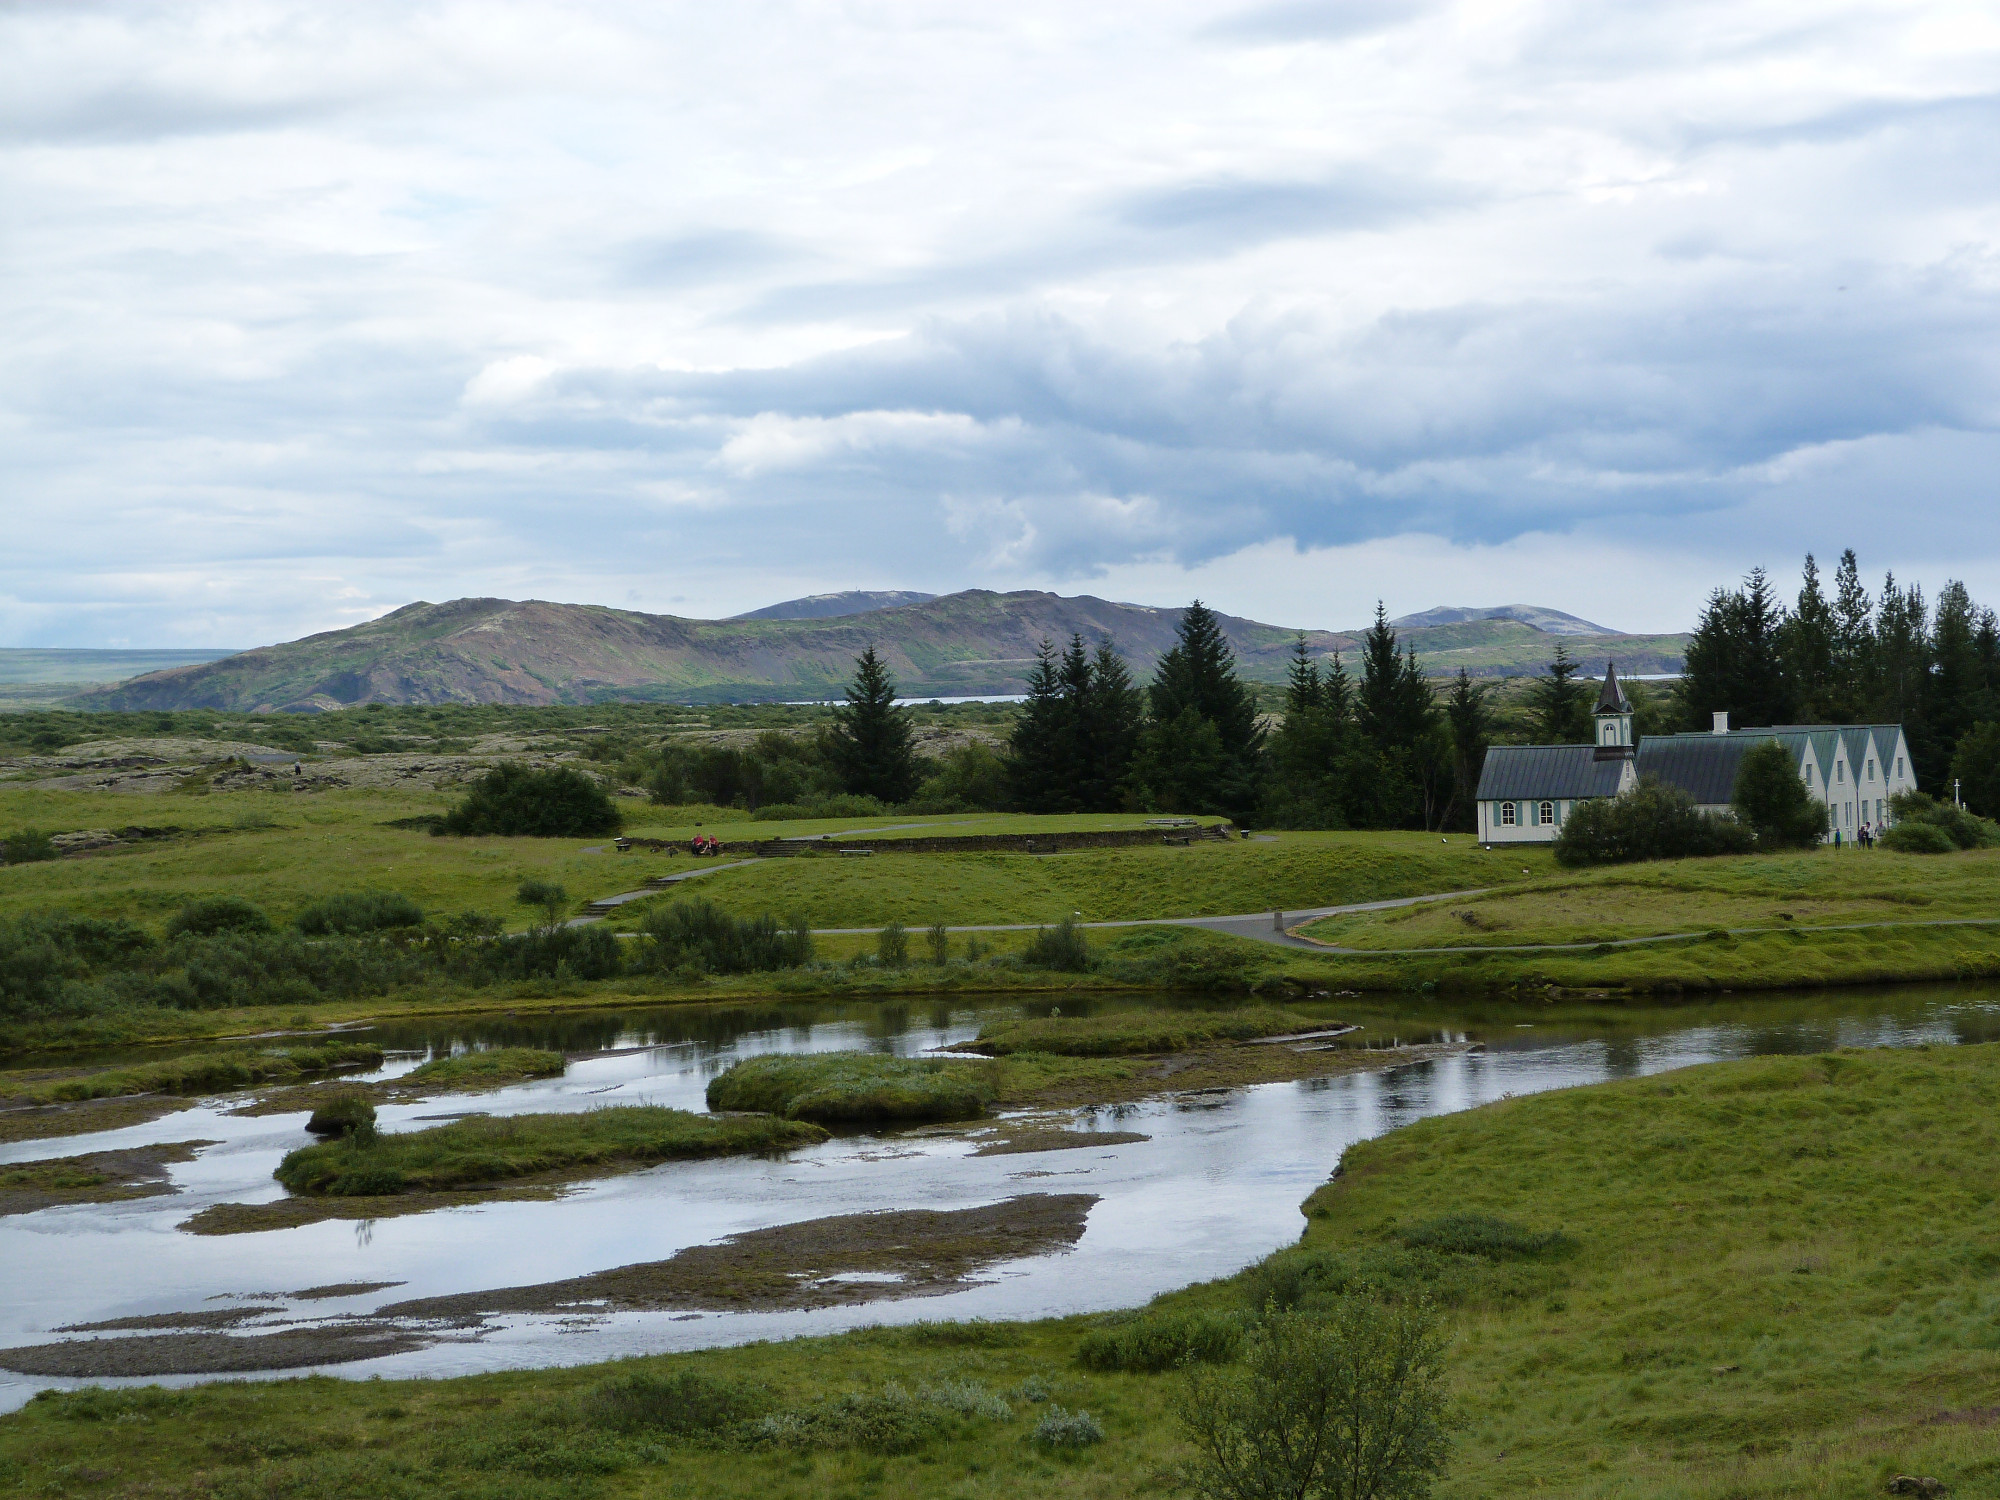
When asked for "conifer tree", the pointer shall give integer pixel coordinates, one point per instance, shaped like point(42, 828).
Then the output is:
point(1471, 724)
point(1733, 659)
point(1034, 748)
point(1806, 643)
point(1406, 764)
point(1560, 703)
point(1853, 642)
point(1116, 715)
point(1198, 675)
point(870, 744)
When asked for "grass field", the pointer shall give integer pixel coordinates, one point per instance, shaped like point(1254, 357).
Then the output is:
point(1781, 1285)
point(1694, 895)
point(289, 852)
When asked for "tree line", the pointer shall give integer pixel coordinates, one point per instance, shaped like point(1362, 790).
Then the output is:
point(1844, 657)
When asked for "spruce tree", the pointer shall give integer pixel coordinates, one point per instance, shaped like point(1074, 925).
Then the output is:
point(1198, 675)
point(1733, 660)
point(1303, 789)
point(1806, 645)
point(1116, 715)
point(1560, 703)
point(1853, 643)
point(1399, 778)
point(870, 743)
point(1471, 725)
point(1034, 748)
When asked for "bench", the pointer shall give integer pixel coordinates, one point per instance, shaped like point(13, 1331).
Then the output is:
point(857, 851)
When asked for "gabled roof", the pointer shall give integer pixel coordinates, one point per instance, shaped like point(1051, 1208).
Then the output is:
point(1611, 699)
point(1529, 772)
point(1702, 765)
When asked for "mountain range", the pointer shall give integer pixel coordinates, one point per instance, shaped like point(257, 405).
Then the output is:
point(969, 644)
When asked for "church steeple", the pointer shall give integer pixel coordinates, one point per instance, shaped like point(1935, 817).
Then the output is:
point(1614, 719)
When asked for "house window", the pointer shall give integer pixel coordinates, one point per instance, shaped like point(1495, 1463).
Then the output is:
point(1506, 815)
point(1878, 812)
point(1808, 776)
point(1840, 771)
point(1871, 770)
point(1899, 768)
point(1548, 812)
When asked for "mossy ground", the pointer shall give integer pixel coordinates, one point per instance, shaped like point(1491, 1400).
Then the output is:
point(1781, 1286)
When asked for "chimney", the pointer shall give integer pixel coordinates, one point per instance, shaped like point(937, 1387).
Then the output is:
point(1722, 722)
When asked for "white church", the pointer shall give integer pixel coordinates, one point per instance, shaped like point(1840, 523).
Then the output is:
point(1525, 791)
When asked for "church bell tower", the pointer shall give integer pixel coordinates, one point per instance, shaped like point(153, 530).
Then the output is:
point(1614, 719)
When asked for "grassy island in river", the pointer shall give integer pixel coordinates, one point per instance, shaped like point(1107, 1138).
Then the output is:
point(1774, 1278)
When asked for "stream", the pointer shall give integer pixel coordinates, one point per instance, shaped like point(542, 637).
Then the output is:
point(1217, 1185)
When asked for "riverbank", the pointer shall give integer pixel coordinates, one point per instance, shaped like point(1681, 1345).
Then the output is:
point(1775, 1280)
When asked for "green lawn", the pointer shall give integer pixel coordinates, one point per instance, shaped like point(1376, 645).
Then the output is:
point(288, 851)
point(1781, 1284)
point(1204, 879)
point(1695, 895)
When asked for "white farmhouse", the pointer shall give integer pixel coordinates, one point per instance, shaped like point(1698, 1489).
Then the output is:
point(1525, 791)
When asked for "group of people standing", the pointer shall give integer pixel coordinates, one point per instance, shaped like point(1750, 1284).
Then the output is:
point(1865, 837)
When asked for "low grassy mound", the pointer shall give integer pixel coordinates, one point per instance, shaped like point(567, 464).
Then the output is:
point(467, 1153)
point(855, 1087)
point(1132, 1034)
point(482, 1070)
point(208, 1072)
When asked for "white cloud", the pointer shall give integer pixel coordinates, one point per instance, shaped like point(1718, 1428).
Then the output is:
point(316, 310)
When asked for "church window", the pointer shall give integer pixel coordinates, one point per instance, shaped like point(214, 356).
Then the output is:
point(1507, 815)
point(1548, 812)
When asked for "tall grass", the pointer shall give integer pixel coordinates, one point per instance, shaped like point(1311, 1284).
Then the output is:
point(467, 1153)
point(854, 1087)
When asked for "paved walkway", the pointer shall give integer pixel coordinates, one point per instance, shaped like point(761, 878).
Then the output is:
point(1636, 942)
point(659, 883)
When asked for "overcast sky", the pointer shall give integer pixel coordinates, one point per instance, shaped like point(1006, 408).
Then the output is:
point(312, 310)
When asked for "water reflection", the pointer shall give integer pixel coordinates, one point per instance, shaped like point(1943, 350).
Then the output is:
point(1217, 1185)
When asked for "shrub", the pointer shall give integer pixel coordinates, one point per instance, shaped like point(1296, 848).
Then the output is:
point(892, 946)
point(552, 953)
point(217, 914)
point(517, 801)
point(342, 1114)
point(968, 1398)
point(1152, 1342)
point(1483, 1235)
point(358, 912)
point(1061, 1429)
point(1349, 1405)
point(842, 1087)
point(937, 937)
point(1653, 821)
point(1771, 800)
point(697, 934)
point(1965, 830)
point(26, 845)
point(681, 1404)
point(892, 1422)
point(1918, 838)
point(533, 892)
point(1062, 947)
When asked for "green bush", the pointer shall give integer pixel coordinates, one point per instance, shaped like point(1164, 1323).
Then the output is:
point(1349, 1403)
point(1485, 1236)
point(1151, 1342)
point(25, 846)
point(1652, 821)
point(217, 914)
point(1061, 1429)
point(1062, 947)
point(893, 1422)
point(854, 1087)
point(696, 934)
point(342, 1114)
point(892, 947)
point(1918, 838)
point(685, 1403)
point(1964, 829)
point(516, 801)
point(359, 912)
point(533, 892)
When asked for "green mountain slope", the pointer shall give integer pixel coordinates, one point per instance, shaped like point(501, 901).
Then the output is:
point(965, 644)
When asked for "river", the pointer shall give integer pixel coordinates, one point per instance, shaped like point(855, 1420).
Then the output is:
point(1216, 1186)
